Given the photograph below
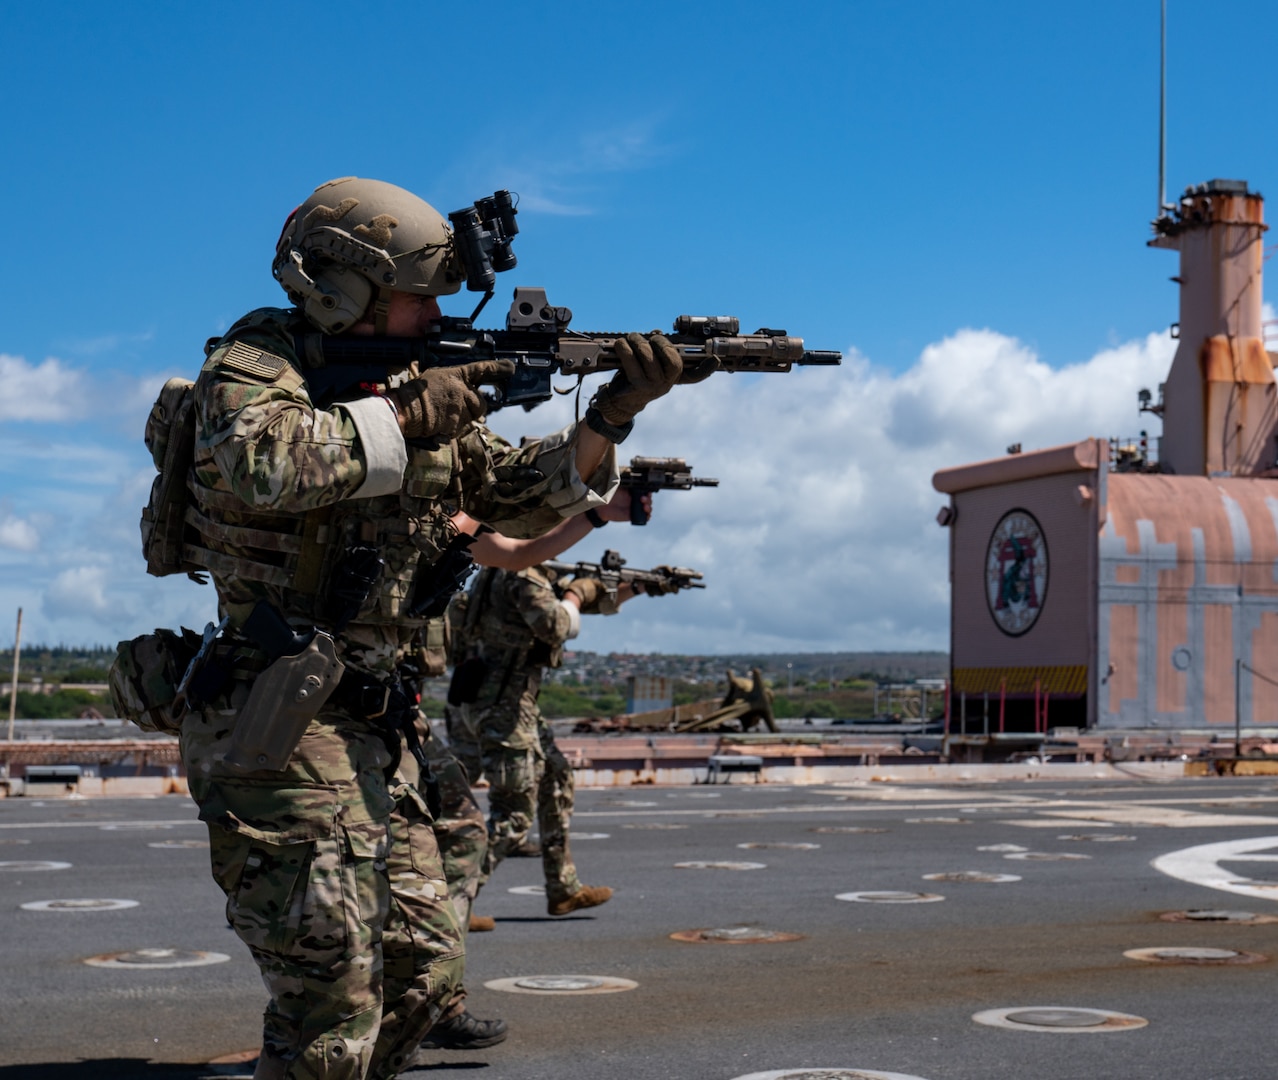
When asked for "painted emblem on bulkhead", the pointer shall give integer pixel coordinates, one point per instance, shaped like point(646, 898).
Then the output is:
point(1016, 572)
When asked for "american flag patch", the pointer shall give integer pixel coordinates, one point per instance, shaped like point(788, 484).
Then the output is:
point(251, 361)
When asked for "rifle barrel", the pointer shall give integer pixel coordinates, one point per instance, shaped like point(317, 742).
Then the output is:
point(677, 480)
point(679, 576)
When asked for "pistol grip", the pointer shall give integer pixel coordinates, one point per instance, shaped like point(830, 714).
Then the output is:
point(638, 515)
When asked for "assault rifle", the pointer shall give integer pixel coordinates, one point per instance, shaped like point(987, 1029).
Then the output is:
point(644, 475)
point(539, 342)
point(611, 571)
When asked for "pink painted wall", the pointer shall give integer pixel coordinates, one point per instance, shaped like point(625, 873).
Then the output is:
point(1059, 636)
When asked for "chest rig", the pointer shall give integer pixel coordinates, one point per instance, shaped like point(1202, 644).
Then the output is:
point(363, 562)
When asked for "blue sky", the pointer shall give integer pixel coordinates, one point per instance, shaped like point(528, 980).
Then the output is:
point(945, 192)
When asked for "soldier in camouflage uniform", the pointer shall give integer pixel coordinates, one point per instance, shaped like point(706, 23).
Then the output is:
point(458, 763)
point(516, 624)
point(461, 836)
point(460, 829)
point(330, 865)
point(505, 553)
point(463, 743)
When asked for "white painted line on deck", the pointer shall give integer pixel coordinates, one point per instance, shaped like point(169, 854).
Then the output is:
point(837, 1072)
point(1201, 865)
point(1169, 817)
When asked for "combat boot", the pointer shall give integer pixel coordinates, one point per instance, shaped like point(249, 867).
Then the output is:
point(586, 896)
point(463, 1032)
point(529, 849)
point(481, 923)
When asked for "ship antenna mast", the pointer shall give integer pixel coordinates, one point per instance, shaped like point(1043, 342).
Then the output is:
point(1162, 115)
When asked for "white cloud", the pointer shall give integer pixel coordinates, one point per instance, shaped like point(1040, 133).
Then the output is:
point(46, 391)
point(80, 590)
point(562, 184)
point(822, 533)
point(535, 196)
point(17, 534)
point(107, 343)
point(53, 392)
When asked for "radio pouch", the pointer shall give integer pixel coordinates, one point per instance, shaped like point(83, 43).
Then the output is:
point(282, 702)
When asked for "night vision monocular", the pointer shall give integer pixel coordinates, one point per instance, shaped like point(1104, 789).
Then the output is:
point(483, 233)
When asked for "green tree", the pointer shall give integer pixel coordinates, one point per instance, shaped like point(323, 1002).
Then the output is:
point(63, 704)
point(85, 674)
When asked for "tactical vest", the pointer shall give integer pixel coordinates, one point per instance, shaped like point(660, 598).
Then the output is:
point(496, 623)
point(291, 557)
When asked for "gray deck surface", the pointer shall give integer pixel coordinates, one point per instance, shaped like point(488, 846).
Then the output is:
point(872, 987)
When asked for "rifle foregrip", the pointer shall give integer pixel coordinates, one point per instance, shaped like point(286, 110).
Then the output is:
point(638, 515)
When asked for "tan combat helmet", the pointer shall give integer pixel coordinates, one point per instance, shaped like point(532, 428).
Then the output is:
point(354, 240)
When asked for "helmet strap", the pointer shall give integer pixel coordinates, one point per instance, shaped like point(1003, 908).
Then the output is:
point(381, 310)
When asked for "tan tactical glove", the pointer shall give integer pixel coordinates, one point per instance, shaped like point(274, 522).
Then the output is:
point(699, 371)
point(592, 597)
point(656, 588)
point(441, 401)
point(650, 366)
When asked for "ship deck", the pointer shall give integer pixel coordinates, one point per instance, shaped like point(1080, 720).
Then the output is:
point(866, 988)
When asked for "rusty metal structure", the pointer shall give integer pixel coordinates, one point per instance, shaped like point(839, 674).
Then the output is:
point(747, 703)
point(1099, 585)
point(91, 766)
point(1219, 397)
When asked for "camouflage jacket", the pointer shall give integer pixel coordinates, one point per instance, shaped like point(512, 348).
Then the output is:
point(517, 624)
point(284, 487)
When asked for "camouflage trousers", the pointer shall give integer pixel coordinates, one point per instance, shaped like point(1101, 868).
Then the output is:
point(461, 832)
point(523, 782)
point(334, 881)
point(463, 743)
point(462, 837)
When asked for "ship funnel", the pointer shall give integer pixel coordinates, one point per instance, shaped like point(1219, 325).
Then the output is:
point(1219, 408)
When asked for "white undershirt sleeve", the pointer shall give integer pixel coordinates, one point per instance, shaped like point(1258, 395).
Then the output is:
point(574, 619)
point(385, 453)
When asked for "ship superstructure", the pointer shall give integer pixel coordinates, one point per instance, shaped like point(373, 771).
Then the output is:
point(1115, 584)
